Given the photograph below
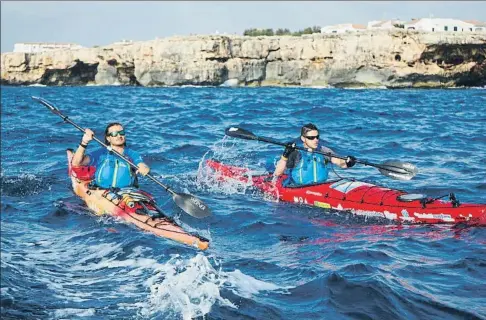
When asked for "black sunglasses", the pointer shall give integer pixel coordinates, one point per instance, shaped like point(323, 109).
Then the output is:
point(116, 133)
point(312, 137)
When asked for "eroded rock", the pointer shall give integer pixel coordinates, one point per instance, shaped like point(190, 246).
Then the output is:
point(397, 58)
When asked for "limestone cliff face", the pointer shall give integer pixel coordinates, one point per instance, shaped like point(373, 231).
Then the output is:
point(373, 58)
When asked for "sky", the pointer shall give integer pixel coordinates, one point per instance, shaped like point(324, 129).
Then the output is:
point(90, 23)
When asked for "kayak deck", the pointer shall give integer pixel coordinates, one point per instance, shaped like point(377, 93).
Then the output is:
point(360, 198)
point(131, 205)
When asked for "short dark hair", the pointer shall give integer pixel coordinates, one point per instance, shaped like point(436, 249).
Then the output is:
point(112, 124)
point(306, 128)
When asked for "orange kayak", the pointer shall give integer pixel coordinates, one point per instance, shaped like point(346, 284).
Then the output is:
point(131, 205)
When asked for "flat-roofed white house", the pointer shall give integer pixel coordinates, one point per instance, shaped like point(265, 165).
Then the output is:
point(448, 25)
point(384, 24)
point(478, 26)
point(342, 28)
point(123, 42)
point(32, 47)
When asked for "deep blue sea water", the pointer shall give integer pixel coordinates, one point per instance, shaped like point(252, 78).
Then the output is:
point(267, 260)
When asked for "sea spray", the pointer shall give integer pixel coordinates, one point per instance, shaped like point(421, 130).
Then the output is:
point(187, 287)
point(191, 287)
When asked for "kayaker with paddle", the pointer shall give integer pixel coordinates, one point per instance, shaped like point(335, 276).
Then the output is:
point(394, 169)
point(111, 171)
point(306, 167)
point(186, 201)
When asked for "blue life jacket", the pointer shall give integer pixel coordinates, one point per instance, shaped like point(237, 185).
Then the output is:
point(111, 170)
point(311, 168)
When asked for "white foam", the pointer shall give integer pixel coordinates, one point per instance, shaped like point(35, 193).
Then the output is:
point(230, 83)
point(247, 286)
point(191, 86)
point(68, 313)
point(322, 87)
point(366, 88)
point(98, 250)
point(6, 257)
point(191, 287)
point(4, 291)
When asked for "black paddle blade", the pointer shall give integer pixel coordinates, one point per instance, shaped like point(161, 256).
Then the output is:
point(47, 104)
point(192, 205)
point(240, 133)
point(398, 170)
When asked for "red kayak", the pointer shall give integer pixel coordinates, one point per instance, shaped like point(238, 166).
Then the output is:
point(360, 198)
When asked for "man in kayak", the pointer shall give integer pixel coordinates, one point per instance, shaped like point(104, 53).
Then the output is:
point(111, 170)
point(307, 167)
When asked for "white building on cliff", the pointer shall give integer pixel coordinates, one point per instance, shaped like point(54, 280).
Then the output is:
point(384, 24)
point(448, 25)
point(32, 47)
point(123, 42)
point(342, 28)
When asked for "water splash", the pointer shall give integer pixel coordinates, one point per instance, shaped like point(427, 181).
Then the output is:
point(191, 287)
point(223, 150)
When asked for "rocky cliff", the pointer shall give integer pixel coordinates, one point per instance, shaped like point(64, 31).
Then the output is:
point(397, 58)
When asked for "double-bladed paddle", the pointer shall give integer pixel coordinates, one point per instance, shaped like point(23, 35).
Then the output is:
point(187, 202)
point(394, 169)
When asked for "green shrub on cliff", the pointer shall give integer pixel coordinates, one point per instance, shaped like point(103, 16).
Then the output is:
point(282, 32)
point(253, 32)
point(258, 32)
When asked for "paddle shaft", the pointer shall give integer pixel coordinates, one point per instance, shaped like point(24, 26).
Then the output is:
point(366, 163)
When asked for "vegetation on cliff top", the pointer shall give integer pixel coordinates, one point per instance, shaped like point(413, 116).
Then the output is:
point(280, 32)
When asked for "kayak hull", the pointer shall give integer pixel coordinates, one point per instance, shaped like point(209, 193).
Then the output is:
point(131, 211)
point(360, 198)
